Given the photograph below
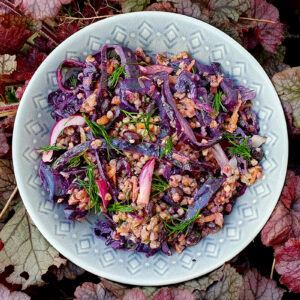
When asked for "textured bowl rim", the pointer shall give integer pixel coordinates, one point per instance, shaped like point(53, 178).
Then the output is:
point(43, 227)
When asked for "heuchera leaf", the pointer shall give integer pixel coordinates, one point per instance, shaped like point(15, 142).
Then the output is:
point(6, 294)
point(12, 19)
point(8, 64)
point(229, 9)
point(172, 294)
point(41, 9)
point(7, 180)
point(69, 271)
point(273, 66)
point(278, 226)
point(135, 294)
point(268, 34)
point(287, 85)
point(227, 288)
point(288, 264)
point(4, 147)
point(27, 250)
point(133, 5)
point(12, 39)
point(258, 287)
point(92, 291)
point(66, 30)
point(186, 7)
point(163, 6)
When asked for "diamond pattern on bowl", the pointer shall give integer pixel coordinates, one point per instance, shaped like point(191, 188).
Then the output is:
point(46, 207)
point(134, 264)
point(34, 181)
point(119, 34)
point(84, 244)
point(94, 43)
point(218, 53)
point(195, 41)
point(210, 247)
point(107, 258)
point(145, 33)
point(36, 128)
point(232, 233)
point(238, 70)
point(171, 34)
point(62, 228)
point(30, 155)
point(160, 264)
point(72, 55)
point(187, 259)
point(51, 80)
point(248, 212)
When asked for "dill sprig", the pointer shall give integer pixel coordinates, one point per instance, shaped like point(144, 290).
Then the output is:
point(240, 149)
point(91, 188)
point(120, 206)
point(178, 227)
point(115, 76)
point(100, 130)
point(217, 103)
point(48, 148)
point(165, 150)
point(158, 185)
point(135, 118)
point(73, 81)
point(75, 160)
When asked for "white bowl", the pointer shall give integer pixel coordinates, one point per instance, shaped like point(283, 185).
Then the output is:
point(155, 32)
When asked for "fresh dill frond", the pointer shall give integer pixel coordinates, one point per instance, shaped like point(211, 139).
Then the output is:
point(100, 130)
point(115, 76)
point(120, 206)
point(48, 148)
point(165, 150)
point(135, 118)
point(217, 103)
point(75, 160)
point(141, 63)
point(232, 136)
point(193, 70)
point(240, 149)
point(73, 81)
point(91, 188)
point(158, 185)
point(178, 227)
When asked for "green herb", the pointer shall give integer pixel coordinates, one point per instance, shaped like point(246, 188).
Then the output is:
point(135, 118)
point(91, 188)
point(100, 130)
point(147, 240)
point(48, 148)
point(166, 150)
point(73, 81)
point(142, 63)
point(112, 54)
point(177, 227)
point(120, 206)
point(115, 76)
point(158, 185)
point(162, 57)
point(232, 137)
point(193, 70)
point(60, 67)
point(10, 94)
point(217, 103)
point(240, 149)
point(145, 100)
point(251, 116)
point(75, 161)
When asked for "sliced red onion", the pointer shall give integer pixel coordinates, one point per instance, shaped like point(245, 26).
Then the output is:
point(58, 128)
point(153, 69)
point(145, 181)
point(102, 186)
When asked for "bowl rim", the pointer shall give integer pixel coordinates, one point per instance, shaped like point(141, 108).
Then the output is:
point(43, 227)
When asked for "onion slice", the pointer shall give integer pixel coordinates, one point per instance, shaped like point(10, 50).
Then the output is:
point(102, 186)
point(153, 69)
point(145, 182)
point(58, 128)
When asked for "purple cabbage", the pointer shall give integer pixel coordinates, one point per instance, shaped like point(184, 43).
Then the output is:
point(204, 195)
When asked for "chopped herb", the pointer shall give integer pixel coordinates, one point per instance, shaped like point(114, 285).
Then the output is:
point(112, 54)
point(147, 240)
point(91, 188)
point(232, 137)
point(142, 63)
point(217, 103)
point(48, 148)
point(193, 70)
point(177, 228)
point(100, 130)
point(240, 149)
point(75, 161)
point(251, 116)
point(166, 150)
point(136, 118)
point(10, 94)
point(73, 81)
point(115, 76)
point(145, 99)
point(158, 185)
point(120, 206)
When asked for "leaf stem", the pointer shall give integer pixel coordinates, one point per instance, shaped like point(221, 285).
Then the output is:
point(272, 269)
point(8, 202)
point(257, 20)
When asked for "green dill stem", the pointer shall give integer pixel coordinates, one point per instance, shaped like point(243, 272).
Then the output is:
point(115, 76)
point(217, 103)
